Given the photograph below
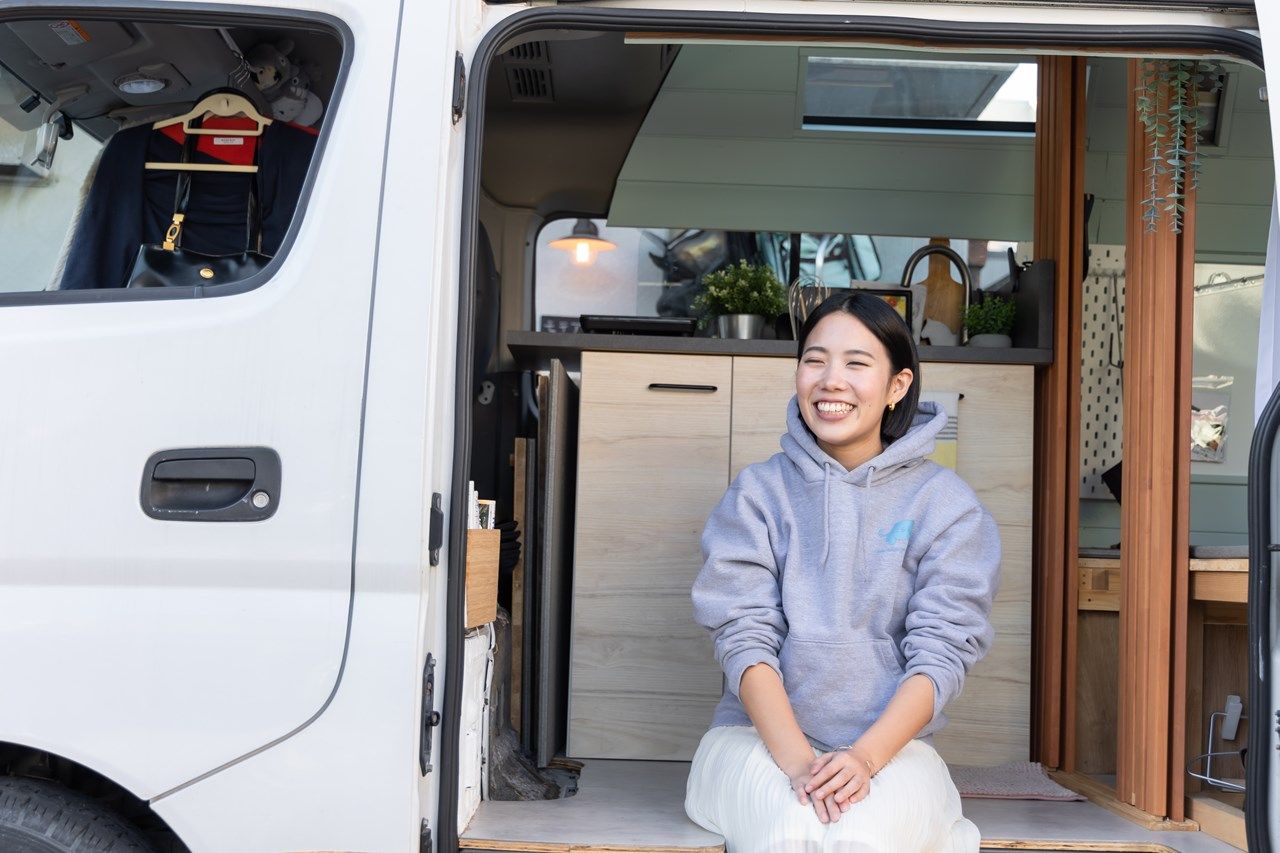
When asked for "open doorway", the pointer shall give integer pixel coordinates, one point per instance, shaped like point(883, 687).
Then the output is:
point(718, 164)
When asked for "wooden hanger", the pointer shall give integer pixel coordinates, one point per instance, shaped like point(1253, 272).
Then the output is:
point(226, 105)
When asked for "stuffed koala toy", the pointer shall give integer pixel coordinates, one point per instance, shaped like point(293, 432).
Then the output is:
point(284, 83)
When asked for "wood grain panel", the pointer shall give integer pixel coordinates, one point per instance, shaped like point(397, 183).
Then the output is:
point(762, 388)
point(1098, 647)
point(1155, 508)
point(651, 465)
point(1220, 586)
point(1099, 586)
point(1059, 236)
point(989, 722)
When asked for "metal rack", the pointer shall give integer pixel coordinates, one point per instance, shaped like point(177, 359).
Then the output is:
point(1229, 721)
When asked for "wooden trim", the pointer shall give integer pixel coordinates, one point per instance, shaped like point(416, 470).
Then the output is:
point(1222, 821)
point(1155, 505)
point(1101, 795)
point(1221, 565)
point(1059, 234)
point(1220, 586)
point(1195, 688)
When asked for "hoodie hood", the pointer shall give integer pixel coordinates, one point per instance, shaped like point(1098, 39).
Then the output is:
point(801, 447)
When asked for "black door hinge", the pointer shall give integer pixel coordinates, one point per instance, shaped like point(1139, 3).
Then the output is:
point(424, 846)
point(459, 86)
point(430, 716)
point(435, 533)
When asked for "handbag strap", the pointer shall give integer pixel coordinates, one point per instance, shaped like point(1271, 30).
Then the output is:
point(182, 197)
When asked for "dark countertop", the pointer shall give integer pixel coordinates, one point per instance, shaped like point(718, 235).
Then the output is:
point(1198, 552)
point(534, 350)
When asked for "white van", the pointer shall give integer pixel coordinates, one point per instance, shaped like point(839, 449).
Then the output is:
point(278, 287)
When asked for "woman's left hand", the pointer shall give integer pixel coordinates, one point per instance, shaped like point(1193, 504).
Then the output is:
point(844, 774)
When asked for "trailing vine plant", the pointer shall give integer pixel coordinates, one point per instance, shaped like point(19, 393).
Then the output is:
point(1168, 101)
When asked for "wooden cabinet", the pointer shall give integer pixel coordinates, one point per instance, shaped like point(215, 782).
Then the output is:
point(652, 465)
point(653, 459)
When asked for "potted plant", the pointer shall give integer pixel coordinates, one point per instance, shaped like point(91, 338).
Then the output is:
point(990, 322)
point(742, 297)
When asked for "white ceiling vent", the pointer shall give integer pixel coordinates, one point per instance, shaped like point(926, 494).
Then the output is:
point(528, 68)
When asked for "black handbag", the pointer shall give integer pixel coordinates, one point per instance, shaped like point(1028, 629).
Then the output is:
point(170, 265)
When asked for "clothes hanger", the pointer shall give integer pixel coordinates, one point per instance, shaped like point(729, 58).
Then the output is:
point(224, 104)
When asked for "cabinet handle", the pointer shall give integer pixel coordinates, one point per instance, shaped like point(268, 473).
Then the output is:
point(670, 386)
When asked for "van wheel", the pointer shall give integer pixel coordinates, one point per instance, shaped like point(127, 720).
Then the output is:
point(44, 817)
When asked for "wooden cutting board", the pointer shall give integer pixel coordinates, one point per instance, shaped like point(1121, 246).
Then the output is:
point(944, 300)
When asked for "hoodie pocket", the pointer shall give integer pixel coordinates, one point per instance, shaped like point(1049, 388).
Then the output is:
point(838, 689)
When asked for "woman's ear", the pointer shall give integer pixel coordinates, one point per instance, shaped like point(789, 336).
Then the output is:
point(900, 384)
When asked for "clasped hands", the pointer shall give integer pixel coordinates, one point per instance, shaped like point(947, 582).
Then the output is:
point(833, 782)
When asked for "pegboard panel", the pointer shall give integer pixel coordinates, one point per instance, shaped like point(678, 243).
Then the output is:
point(1102, 355)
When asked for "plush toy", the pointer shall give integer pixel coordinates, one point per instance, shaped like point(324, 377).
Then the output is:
point(284, 83)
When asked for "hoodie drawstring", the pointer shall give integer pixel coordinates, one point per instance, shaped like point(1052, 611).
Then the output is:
point(826, 513)
point(865, 518)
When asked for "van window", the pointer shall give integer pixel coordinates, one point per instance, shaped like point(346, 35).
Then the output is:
point(898, 94)
point(145, 154)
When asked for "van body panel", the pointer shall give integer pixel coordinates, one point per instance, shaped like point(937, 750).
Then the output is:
point(134, 635)
point(351, 780)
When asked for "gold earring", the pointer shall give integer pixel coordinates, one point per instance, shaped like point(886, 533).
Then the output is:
point(891, 405)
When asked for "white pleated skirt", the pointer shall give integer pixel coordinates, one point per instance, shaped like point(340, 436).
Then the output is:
point(736, 790)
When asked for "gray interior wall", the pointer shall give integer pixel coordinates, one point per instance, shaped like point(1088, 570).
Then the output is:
point(722, 147)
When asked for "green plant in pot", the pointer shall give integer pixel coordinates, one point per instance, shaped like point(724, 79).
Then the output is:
point(990, 322)
point(742, 297)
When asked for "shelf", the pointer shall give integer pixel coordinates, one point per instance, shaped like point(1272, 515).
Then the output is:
point(534, 350)
point(1212, 579)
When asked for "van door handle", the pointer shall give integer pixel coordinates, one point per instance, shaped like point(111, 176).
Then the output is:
point(212, 484)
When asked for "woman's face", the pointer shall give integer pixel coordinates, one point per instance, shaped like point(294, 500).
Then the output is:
point(844, 385)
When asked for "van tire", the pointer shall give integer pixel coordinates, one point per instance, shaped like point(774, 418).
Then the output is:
point(43, 817)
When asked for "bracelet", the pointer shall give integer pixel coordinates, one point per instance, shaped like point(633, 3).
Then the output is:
point(871, 772)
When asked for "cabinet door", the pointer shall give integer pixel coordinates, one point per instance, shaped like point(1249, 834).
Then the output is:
point(762, 387)
point(653, 460)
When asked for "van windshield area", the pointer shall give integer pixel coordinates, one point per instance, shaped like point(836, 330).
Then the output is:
point(154, 154)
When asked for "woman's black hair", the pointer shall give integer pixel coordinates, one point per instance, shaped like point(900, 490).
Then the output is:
point(892, 331)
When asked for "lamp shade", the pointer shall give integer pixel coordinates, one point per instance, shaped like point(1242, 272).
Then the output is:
point(583, 243)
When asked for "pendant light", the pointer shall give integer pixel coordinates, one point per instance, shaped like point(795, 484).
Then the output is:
point(583, 243)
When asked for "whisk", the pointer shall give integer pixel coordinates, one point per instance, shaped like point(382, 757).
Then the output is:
point(803, 295)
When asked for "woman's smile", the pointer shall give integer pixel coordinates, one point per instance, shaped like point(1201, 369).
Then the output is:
point(833, 410)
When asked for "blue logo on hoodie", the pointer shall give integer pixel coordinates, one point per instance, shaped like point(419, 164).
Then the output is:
point(900, 532)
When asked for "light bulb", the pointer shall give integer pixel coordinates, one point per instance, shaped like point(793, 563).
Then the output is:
point(582, 253)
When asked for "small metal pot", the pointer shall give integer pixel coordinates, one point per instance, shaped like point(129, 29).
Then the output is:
point(990, 341)
point(740, 326)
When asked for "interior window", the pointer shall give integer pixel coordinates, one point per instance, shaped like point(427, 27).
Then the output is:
point(586, 266)
point(136, 154)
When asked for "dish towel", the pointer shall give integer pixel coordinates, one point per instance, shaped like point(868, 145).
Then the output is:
point(1021, 780)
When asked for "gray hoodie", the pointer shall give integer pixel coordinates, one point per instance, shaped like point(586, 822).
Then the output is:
point(848, 582)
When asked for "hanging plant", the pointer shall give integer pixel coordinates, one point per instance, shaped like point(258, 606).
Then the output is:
point(1168, 101)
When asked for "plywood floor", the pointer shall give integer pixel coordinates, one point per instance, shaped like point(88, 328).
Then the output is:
point(639, 806)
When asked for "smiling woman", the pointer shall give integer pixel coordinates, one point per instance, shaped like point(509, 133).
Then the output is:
point(857, 363)
point(842, 673)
